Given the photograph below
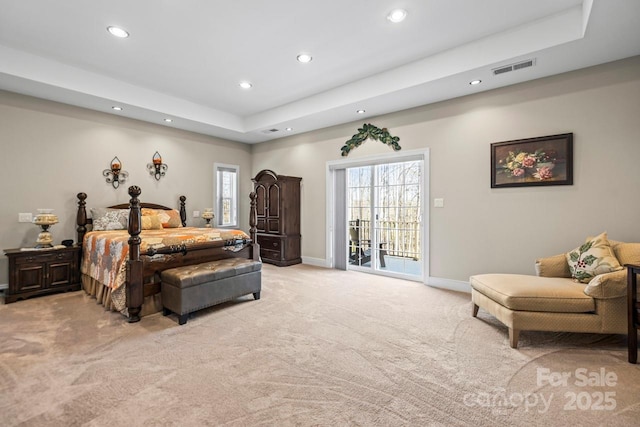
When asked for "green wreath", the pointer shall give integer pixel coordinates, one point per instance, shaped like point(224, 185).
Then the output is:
point(370, 131)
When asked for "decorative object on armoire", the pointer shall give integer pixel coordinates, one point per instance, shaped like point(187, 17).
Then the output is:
point(157, 168)
point(545, 160)
point(278, 217)
point(115, 175)
point(207, 215)
point(369, 131)
point(45, 219)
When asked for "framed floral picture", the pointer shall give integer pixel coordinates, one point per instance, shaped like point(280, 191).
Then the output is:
point(546, 160)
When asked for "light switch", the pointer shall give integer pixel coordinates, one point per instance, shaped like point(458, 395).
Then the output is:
point(438, 203)
point(25, 217)
point(196, 214)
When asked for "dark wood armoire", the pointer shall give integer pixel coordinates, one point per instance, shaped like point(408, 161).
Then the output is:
point(278, 214)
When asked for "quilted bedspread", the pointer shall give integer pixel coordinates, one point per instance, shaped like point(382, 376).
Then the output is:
point(105, 252)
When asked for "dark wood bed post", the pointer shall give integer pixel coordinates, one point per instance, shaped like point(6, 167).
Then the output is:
point(253, 221)
point(183, 211)
point(135, 290)
point(81, 217)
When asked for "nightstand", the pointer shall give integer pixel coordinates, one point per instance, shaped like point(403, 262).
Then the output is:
point(40, 272)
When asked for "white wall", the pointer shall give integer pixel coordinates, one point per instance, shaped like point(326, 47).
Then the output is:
point(498, 230)
point(51, 152)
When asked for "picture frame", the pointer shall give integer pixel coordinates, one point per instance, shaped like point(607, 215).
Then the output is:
point(532, 162)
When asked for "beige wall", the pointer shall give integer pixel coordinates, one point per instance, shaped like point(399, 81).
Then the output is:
point(498, 230)
point(51, 152)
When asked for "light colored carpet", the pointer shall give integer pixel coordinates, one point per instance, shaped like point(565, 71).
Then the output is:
point(321, 348)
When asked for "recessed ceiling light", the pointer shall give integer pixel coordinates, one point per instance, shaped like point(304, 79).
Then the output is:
point(304, 58)
point(118, 32)
point(117, 108)
point(289, 129)
point(361, 111)
point(475, 82)
point(397, 15)
point(245, 85)
point(168, 120)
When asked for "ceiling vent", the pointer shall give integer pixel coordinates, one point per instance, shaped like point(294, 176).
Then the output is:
point(268, 131)
point(514, 67)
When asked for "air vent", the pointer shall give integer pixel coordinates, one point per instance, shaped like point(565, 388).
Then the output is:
point(514, 67)
point(270, 130)
point(502, 70)
point(524, 64)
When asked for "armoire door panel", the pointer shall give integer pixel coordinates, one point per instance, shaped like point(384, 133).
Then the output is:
point(261, 200)
point(274, 200)
point(273, 225)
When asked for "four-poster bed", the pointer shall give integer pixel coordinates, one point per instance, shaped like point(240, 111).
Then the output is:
point(122, 268)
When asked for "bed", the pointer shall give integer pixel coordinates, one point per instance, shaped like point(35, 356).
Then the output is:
point(121, 267)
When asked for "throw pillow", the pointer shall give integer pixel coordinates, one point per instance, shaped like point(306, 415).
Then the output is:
point(594, 257)
point(105, 219)
point(168, 218)
point(148, 211)
point(627, 253)
point(151, 222)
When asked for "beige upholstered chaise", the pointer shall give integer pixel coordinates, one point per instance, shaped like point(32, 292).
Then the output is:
point(553, 301)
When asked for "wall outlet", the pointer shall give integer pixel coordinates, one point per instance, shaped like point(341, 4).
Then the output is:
point(438, 203)
point(25, 217)
point(196, 214)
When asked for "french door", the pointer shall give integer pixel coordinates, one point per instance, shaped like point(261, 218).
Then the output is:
point(384, 218)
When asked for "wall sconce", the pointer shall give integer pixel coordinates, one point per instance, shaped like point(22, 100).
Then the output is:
point(115, 175)
point(157, 168)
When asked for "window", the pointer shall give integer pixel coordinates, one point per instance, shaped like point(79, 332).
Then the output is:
point(226, 189)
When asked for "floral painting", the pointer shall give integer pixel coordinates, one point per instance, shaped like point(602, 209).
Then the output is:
point(546, 160)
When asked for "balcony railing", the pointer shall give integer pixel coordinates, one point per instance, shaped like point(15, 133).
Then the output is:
point(401, 239)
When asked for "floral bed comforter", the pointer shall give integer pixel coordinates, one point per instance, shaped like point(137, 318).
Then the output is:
point(105, 252)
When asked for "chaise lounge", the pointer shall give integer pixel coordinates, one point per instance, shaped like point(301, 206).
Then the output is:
point(555, 299)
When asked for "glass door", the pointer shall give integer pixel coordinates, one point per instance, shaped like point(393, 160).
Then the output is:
point(384, 214)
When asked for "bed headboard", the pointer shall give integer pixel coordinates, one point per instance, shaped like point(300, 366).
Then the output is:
point(82, 220)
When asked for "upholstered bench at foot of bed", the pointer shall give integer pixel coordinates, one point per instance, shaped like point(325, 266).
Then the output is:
point(194, 287)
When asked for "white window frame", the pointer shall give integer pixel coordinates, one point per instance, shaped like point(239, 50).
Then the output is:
point(217, 194)
point(336, 210)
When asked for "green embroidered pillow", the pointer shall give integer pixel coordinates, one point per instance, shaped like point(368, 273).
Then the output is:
point(594, 257)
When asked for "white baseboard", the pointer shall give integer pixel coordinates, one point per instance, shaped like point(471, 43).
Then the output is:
point(453, 285)
point(317, 262)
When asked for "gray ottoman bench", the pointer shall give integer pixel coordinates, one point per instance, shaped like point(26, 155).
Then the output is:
point(193, 287)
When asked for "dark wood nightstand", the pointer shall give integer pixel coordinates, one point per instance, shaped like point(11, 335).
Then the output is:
point(41, 272)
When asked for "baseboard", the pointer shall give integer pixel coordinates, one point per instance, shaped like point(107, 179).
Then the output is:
point(452, 285)
point(436, 282)
point(317, 262)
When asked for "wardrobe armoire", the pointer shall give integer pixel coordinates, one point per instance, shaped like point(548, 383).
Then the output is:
point(278, 215)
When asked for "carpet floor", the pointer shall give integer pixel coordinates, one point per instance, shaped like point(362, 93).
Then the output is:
point(320, 348)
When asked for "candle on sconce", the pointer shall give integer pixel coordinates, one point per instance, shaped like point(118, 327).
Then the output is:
point(156, 167)
point(115, 175)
